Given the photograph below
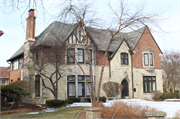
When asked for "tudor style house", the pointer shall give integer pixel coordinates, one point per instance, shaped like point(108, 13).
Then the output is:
point(134, 60)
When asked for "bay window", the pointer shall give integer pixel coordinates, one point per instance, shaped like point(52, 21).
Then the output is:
point(70, 56)
point(80, 55)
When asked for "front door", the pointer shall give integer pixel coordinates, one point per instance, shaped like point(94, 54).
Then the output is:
point(125, 90)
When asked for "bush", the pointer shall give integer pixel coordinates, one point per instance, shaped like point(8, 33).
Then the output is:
point(69, 101)
point(87, 99)
point(156, 94)
point(121, 110)
point(177, 114)
point(75, 99)
point(98, 104)
point(101, 99)
point(55, 103)
point(170, 95)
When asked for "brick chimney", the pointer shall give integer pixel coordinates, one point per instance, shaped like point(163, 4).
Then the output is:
point(30, 31)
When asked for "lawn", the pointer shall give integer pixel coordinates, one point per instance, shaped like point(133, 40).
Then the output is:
point(65, 112)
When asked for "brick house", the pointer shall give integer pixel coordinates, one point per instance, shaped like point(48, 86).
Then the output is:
point(134, 61)
point(4, 75)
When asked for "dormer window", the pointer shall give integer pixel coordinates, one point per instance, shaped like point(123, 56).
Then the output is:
point(124, 59)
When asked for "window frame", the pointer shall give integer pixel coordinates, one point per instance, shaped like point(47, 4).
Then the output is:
point(149, 81)
point(3, 81)
point(150, 56)
point(87, 56)
point(12, 66)
point(124, 58)
point(37, 86)
point(82, 55)
point(70, 57)
point(19, 63)
point(70, 82)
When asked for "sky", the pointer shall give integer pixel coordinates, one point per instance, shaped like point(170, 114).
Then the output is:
point(13, 23)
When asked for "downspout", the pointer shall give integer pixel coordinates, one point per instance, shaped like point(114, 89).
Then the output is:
point(131, 52)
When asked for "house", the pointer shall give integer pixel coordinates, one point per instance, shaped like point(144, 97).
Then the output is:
point(4, 75)
point(134, 61)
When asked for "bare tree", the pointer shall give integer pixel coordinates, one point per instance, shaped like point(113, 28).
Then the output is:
point(48, 61)
point(121, 18)
point(171, 69)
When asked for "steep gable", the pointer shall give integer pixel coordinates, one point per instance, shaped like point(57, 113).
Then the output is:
point(146, 41)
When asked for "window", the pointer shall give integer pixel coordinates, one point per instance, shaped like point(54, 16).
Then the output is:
point(86, 56)
point(148, 59)
point(37, 85)
point(19, 63)
point(87, 89)
point(3, 81)
point(124, 59)
point(18, 79)
point(71, 87)
point(70, 56)
point(11, 81)
point(82, 88)
point(80, 55)
point(149, 83)
point(12, 66)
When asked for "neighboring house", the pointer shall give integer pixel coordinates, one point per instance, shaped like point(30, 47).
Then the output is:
point(4, 75)
point(134, 61)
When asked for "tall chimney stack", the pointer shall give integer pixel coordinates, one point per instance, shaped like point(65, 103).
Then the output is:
point(30, 31)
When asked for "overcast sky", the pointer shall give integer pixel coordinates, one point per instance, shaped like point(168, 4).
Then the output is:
point(14, 24)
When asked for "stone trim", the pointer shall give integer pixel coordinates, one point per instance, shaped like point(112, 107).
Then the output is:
point(155, 115)
point(93, 113)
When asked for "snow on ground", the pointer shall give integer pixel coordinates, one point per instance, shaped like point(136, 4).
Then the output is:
point(169, 107)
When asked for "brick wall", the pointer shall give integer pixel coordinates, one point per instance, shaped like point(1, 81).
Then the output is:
point(14, 75)
point(146, 41)
point(99, 58)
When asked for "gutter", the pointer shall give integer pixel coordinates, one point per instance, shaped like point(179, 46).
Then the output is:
point(131, 52)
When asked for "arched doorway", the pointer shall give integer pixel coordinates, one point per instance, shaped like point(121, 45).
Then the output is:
point(125, 90)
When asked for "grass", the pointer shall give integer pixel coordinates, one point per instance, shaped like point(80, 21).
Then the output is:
point(66, 112)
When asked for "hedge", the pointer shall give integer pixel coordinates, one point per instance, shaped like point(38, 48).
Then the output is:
point(101, 99)
point(170, 95)
point(75, 99)
point(55, 103)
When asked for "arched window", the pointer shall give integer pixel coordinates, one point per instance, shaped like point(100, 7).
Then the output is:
point(37, 85)
point(124, 59)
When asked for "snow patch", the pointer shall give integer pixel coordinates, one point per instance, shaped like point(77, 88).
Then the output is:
point(33, 113)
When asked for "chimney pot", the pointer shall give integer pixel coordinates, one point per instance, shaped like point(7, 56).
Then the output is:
point(31, 12)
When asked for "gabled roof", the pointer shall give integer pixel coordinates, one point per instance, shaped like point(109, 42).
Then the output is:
point(61, 31)
point(102, 38)
point(55, 31)
point(4, 72)
point(19, 52)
